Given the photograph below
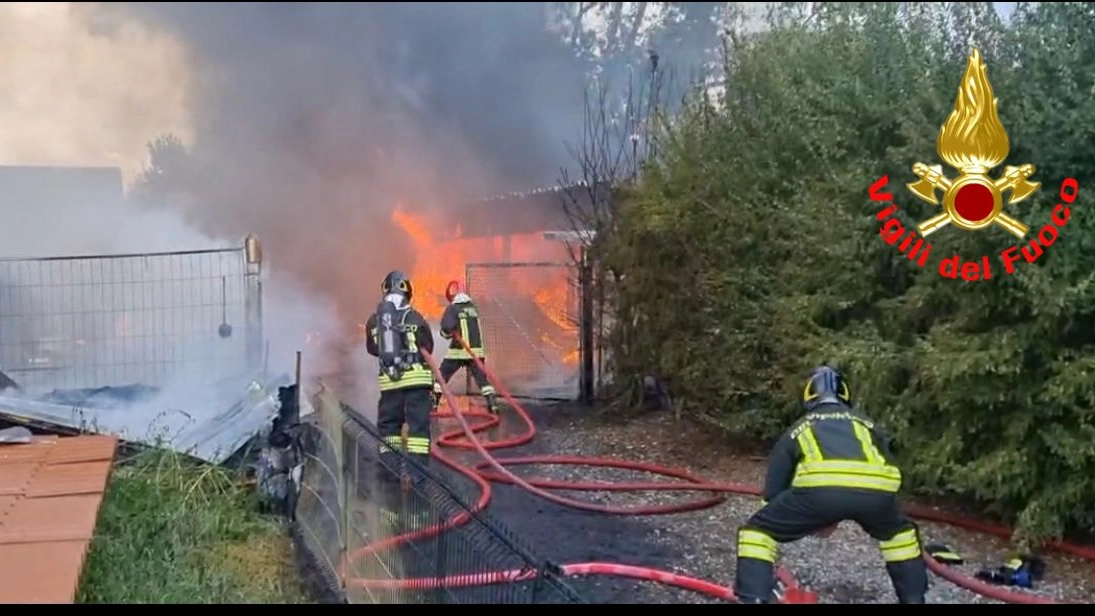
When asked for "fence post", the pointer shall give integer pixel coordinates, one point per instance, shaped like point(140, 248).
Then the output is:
point(346, 484)
point(585, 283)
point(252, 251)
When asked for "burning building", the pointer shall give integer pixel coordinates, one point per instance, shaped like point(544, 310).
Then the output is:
point(523, 282)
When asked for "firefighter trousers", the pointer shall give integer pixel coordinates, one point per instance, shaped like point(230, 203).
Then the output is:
point(799, 512)
point(412, 406)
point(450, 367)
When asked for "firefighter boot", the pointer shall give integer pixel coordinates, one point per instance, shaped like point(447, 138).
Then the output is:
point(387, 482)
point(492, 403)
point(910, 580)
point(755, 582)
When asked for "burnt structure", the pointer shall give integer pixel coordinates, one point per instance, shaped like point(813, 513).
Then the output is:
point(520, 213)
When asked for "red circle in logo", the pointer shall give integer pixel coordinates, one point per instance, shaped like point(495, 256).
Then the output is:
point(974, 202)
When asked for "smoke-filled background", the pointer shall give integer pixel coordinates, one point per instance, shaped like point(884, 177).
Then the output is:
point(307, 123)
point(312, 121)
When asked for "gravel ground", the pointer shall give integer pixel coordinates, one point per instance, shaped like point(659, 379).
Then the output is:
point(843, 568)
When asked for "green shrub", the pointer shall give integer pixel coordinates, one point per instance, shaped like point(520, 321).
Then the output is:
point(749, 250)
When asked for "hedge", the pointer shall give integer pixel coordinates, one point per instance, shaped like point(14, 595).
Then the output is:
point(749, 250)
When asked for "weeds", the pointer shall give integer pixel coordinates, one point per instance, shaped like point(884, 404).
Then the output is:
point(175, 531)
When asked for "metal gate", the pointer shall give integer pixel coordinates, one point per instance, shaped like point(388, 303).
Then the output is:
point(530, 320)
point(112, 320)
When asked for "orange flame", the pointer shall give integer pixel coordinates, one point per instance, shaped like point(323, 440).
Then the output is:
point(439, 260)
point(435, 264)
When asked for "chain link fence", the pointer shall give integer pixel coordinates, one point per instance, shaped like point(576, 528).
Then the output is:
point(530, 321)
point(363, 557)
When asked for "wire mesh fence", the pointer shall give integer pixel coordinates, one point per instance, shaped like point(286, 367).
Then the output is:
point(530, 321)
point(110, 320)
point(436, 548)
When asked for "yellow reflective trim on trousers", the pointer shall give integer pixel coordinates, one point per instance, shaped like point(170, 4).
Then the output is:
point(757, 545)
point(487, 390)
point(460, 353)
point(847, 474)
point(392, 442)
point(418, 444)
point(866, 442)
point(417, 376)
point(807, 442)
point(903, 546)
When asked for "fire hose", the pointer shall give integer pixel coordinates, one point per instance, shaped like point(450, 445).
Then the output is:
point(495, 469)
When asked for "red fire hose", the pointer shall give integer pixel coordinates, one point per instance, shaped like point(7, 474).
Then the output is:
point(494, 469)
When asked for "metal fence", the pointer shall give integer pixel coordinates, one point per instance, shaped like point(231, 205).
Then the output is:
point(530, 319)
point(110, 320)
point(358, 551)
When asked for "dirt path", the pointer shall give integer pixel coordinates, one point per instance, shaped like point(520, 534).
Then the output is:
point(844, 568)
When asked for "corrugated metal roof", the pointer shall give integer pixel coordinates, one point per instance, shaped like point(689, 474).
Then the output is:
point(207, 432)
point(518, 213)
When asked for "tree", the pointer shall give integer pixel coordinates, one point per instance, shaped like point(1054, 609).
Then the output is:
point(751, 224)
point(167, 174)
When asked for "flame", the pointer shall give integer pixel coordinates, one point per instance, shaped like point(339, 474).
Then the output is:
point(439, 259)
point(435, 264)
point(973, 139)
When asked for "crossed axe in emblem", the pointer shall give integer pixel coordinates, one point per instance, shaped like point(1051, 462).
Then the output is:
point(932, 179)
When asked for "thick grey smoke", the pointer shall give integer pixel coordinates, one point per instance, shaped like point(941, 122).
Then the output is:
point(74, 98)
point(312, 120)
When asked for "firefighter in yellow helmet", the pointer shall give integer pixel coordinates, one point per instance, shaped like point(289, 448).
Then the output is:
point(397, 335)
point(832, 465)
point(462, 317)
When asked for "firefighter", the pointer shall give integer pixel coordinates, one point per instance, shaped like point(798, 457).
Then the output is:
point(462, 317)
point(832, 465)
point(397, 334)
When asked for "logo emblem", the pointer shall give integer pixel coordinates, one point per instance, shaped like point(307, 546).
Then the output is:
point(973, 141)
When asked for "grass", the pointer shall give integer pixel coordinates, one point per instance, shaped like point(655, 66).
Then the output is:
point(174, 531)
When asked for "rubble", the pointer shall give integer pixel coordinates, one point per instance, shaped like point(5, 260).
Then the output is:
point(146, 415)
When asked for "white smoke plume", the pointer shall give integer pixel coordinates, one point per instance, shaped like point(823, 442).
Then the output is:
point(76, 97)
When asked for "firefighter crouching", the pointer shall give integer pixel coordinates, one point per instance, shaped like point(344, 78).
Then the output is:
point(831, 465)
point(462, 317)
point(396, 334)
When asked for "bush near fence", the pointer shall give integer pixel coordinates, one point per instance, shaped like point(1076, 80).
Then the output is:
point(336, 518)
point(749, 250)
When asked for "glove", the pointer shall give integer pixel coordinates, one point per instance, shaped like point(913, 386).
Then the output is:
point(943, 554)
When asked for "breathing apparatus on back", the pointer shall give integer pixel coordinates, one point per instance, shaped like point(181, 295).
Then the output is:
point(391, 331)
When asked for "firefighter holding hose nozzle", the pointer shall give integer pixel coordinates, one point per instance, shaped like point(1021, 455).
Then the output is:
point(397, 334)
point(832, 465)
point(462, 318)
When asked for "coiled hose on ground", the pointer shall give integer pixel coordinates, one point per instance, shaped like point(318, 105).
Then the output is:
point(491, 469)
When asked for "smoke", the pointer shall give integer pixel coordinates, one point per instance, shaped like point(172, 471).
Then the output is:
point(74, 98)
point(305, 124)
point(125, 319)
point(313, 120)
point(78, 98)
